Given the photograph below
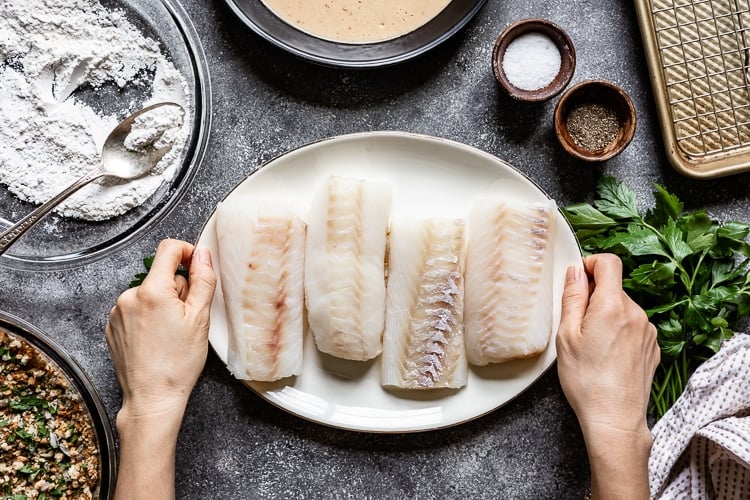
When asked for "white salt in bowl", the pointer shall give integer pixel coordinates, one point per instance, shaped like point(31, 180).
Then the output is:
point(537, 63)
point(62, 242)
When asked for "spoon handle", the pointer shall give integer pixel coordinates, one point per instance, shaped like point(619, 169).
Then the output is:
point(14, 232)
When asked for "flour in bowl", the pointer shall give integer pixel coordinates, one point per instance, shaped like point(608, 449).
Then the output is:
point(50, 49)
point(155, 129)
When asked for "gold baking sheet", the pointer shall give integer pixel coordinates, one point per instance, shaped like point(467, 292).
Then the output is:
point(698, 54)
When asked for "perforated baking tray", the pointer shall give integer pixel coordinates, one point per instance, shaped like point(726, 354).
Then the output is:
point(698, 53)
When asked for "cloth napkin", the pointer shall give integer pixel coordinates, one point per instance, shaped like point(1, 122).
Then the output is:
point(701, 446)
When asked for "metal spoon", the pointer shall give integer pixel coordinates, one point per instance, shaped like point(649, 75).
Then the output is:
point(117, 161)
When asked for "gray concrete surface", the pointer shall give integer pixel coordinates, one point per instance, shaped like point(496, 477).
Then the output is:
point(235, 445)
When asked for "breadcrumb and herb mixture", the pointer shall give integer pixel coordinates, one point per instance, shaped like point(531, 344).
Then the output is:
point(48, 447)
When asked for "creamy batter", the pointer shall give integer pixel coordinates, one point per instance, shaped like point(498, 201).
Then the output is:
point(356, 21)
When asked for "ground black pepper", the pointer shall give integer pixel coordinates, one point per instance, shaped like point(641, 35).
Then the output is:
point(592, 126)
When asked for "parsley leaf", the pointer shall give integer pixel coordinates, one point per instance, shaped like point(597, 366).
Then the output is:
point(147, 263)
point(667, 206)
point(617, 200)
point(138, 278)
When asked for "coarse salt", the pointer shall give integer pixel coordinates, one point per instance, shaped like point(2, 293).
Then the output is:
point(531, 61)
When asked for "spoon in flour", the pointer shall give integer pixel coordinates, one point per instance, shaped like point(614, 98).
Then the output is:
point(128, 153)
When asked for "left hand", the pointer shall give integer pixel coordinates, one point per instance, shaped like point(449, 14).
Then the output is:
point(607, 349)
point(158, 332)
point(607, 354)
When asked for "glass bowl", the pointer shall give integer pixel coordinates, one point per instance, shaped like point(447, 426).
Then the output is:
point(77, 377)
point(61, 243)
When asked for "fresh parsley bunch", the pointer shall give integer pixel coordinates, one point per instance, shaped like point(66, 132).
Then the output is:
point(689, 272)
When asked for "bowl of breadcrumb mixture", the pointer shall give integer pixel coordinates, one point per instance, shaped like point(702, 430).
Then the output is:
point(55, 438)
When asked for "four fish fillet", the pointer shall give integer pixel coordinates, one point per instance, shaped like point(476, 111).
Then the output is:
point(271, 265)
point(261, 254)
point(345, 267)
point(509, 261)
point(423, 346)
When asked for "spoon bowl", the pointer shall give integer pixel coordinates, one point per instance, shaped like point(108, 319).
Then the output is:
point(127, 163)
point(120, 160)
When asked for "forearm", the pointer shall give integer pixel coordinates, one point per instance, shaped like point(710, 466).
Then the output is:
point(619, 463)
point(147, 454)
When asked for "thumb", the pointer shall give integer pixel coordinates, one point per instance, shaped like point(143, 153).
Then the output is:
point(202, 280)
point(575, 299)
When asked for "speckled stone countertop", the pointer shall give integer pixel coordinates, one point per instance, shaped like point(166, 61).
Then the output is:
point(235, 445)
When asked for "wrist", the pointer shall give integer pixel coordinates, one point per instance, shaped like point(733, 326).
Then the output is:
point(606, 442)
point(138, 403)
point(619, 461)
point(148, 442)
point(144, 417)
point(636, 432)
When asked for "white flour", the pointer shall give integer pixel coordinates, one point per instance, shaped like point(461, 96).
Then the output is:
point(48, 137)
point(157, 129)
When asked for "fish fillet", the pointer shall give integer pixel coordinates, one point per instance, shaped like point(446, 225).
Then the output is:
point(345, 267)
point(509, 260)
point(261, 255)
point(423, 345)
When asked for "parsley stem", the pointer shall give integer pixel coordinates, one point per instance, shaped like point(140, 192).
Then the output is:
point(685, 368)
point(659, 397)
point(657, 392)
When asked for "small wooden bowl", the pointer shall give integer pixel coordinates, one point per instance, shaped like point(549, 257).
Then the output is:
point(596, 92)
point(564, 45)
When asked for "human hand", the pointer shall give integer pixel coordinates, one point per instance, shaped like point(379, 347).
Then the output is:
point(607, 355)
point(158, 332)
point(158, 336)
point(607, 349)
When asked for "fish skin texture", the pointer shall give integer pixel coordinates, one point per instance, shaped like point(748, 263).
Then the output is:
point(509, 280)
point(423, 346)
point(261, 255)
point(345, 267)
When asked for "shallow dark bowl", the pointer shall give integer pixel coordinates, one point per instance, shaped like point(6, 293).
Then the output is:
point(564, 45)
point(606, 94)
point(78, 378)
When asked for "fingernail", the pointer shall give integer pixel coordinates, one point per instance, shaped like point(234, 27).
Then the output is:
point(204, 257)
point(573, 274)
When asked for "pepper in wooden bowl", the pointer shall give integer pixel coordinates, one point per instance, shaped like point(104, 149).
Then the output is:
point(594, 120)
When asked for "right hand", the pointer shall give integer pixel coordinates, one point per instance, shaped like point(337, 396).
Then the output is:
point(158, 336)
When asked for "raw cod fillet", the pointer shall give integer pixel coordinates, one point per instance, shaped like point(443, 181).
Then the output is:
point(423, 346)
point(345, 267)
point(261, 255)
point(509, 264)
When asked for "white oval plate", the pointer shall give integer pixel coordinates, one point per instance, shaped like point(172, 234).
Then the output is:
point(432, 177)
